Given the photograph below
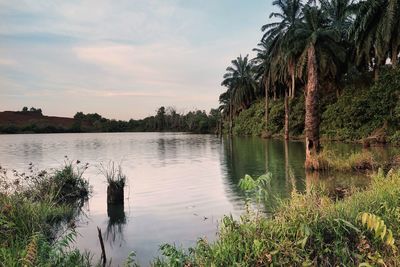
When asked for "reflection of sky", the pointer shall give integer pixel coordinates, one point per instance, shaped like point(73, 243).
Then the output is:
point(121, 54)
point(175, 190)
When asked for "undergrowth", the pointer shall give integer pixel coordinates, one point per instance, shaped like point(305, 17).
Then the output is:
point(308, 230)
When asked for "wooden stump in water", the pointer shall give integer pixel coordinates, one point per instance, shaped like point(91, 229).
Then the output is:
point(115, 194)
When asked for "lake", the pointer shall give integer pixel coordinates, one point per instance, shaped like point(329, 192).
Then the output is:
point(179, 185)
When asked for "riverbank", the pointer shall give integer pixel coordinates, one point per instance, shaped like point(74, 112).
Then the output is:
point(308, 230)
point(363, 111)
point(37, 213)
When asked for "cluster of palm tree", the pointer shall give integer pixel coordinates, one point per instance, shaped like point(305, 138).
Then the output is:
point(312, 44)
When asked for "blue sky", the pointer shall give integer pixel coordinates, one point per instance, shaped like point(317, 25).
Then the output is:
point(122, 59)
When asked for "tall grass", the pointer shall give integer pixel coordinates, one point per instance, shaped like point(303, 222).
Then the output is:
point(33, 207)
point(307, 230)
point(360, 161)
point(113, 174)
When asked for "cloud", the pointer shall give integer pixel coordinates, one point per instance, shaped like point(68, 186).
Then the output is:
point(110, 56)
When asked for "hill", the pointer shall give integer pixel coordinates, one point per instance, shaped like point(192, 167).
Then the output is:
point(36, 122)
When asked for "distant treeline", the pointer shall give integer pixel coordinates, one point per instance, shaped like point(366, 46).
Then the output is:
point(165, 119)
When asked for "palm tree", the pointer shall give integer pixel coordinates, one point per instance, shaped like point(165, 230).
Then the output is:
point(241, 84)
point(340, 15)
point(279, 32)
point(262, 69)
point(281, 52)
point(377, 32)
point(225, 107)
point(321, 53)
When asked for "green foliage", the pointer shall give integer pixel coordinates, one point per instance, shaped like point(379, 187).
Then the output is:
point(69, 183)
point(310, 229)
point(260, 186)
point(250, 121)
point(360, 111)
point(296, 116)
point(356, 114)
point(33, 207)
point(172, 257)
point(131, 260)
point(276, 116)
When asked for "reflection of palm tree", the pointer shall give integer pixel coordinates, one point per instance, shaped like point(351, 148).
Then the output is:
point(116, 222)
point(289, 174)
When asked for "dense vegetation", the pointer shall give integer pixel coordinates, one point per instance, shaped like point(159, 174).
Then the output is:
point(308, 230)
point(318, 49)
point(355, 115)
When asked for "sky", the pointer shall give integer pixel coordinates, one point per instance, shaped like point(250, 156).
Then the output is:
point(122, 59)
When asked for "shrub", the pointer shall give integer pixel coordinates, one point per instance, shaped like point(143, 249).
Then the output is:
point(361, 110)
point(32, 210)
point(250, 121)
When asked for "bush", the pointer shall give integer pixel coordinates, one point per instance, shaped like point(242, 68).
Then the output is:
point(32, 210)
point(276, 116)
point(250, 121)
point(360, 111)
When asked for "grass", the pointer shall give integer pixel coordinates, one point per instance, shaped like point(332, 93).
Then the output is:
point(307, 230)
point(361, 161)
point(113, 174)
point(34, 207)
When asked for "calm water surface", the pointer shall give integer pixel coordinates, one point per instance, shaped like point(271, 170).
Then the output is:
point(179, 185)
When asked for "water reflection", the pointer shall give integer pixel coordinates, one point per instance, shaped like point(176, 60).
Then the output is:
point(115, 224)
point(285, 161)
point(180, 185)
point(256, 156)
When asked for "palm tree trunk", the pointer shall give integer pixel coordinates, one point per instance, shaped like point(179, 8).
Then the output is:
point(395, 53)
point(286, 115)
point(230, 119)
point(266, 85)
point(293, 81)
point(312, 118)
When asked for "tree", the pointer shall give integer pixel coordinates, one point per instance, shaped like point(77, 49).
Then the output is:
point(279, 33)
point(25, 109)
point(377, 32)
point(160, 118)
point(262, 68)
point(282, 53)
point(321, 54)
point(241, 84)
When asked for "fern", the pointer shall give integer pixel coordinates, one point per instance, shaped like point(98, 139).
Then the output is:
point(377, 225)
